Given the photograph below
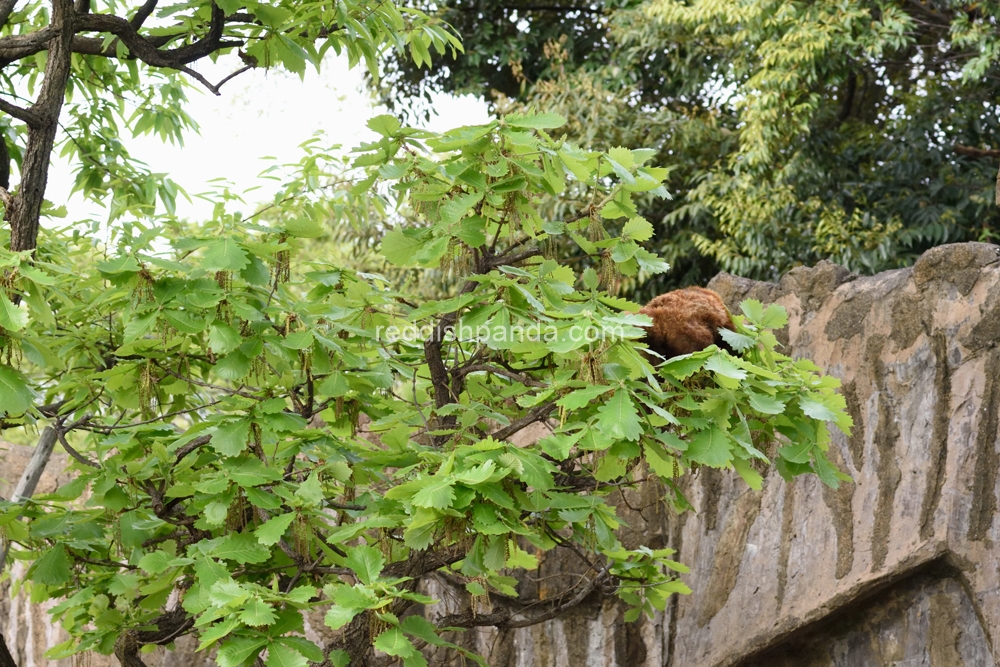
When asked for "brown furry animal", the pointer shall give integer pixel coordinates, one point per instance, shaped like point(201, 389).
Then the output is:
point(686, 320)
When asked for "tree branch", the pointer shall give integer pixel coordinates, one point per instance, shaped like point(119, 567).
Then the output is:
point(6, 7)
point(538, 414)
point(25, 209)
point(190, 447)
point(512, 375)
point(142, 14)
point(507, 620)
point(971, 151)
point(72, 452)
point(27, 115)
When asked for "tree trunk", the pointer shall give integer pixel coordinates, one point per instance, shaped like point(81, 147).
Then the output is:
point(25, 209)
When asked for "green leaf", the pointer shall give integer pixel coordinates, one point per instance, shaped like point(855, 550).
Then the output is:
point(558, 445)
point(122, 264)
point(237, 650)
point(269, 15)
point(12, 318)
point(230, 438)
point(753, 309)
point(542, 121)
point(419, 535)
point(304, 228)
point(619, 417)
point(242, 548)
point(736, 340)
point(53, 568)
point(816, 409)
point(311, 490)
point(251, 472)
point(711, 447)
point(394, 642)
point(155, 562)
point(335, 386)
point(768, 405)
point(438, 493)
point(312, 652)
point(223, 338)
point(683, 367)
point(420, 627)
point(579, 398)
point(534, 471)
point(15, 396)
point(367, 562)
point(257, 613)
point(495, 557)
point(386, 125)
point(339, 658)
point(272, 530)
point(724, 366)
point(337, 617)
point(774, 317)
point(753, 478)
point(659, 461)
point(280, 655)
point(638, 229)
point(400, 246)
point(476, 475)
point(224, 254)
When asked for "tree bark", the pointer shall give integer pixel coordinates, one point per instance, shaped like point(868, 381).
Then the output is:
point(25, 210)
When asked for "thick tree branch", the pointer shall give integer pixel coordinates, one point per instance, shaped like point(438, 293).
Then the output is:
point(169, 627)
point(25, 208)
point(508, 620)
point(6, 7)
point(190, 447)
point(13, 47)
point(20, 113)
point(141, 48)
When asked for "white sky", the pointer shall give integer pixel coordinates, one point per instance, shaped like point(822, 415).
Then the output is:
point(261, 113)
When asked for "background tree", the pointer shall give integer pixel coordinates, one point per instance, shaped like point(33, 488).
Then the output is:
point(211, 379)
point(862, 132)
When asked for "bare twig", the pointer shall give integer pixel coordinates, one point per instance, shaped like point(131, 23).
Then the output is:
point(60, 432)
point(512, 375)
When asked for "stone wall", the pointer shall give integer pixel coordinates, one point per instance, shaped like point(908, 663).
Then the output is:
point(899, 567)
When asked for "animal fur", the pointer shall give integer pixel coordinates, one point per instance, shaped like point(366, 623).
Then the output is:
point(685, 321)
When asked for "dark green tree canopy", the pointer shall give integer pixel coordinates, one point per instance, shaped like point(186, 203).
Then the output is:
point(505, 48)
point(862, 132)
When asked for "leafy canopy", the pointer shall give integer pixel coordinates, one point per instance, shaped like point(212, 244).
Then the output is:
point(257, 433)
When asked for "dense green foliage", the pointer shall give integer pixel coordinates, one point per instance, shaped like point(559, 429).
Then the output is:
point(259, 430)
point(199, 371)
point(797, 131)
